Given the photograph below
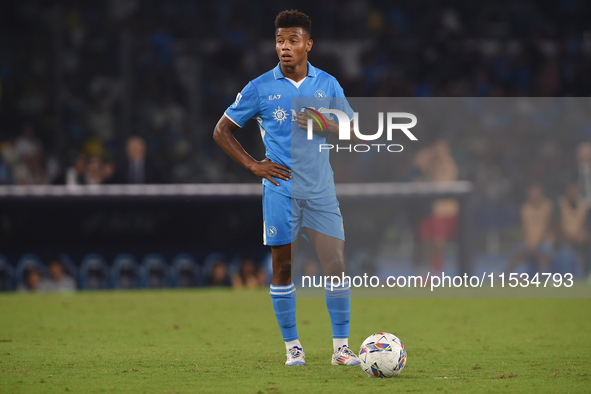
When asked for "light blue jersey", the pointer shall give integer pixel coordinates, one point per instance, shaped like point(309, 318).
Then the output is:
point(268, 99)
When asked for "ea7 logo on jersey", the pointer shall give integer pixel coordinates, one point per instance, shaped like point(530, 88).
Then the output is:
point(274, 97)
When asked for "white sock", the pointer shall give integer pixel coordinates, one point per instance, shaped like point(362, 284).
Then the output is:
point(339, 342)
point(290, 344)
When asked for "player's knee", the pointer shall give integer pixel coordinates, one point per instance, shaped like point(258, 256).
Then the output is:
point(335, 267)
point(282, 269)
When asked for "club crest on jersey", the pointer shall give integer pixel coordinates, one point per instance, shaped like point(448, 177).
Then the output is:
point(280, 115)
point(320, 95)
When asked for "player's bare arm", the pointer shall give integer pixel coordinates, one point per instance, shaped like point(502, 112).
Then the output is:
point(224, 136)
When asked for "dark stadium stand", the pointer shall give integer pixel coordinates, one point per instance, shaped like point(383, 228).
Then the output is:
point(120, 74)
point(94, 273)
point(69, 267)
point(125, 272)
point(26, 262)
point(6, 275)
point(155, 273)
point(185, 272)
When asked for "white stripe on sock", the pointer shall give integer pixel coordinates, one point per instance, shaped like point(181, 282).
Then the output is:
point(282, 292)
point(282, 287)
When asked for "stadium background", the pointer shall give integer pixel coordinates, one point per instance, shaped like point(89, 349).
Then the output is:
point(84, 77)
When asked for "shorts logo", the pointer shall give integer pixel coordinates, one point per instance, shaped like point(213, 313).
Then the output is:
point(280, 115)
point(271, 231)
point(320, 95)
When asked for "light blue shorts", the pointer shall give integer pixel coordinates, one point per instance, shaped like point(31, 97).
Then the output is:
point(284, 217)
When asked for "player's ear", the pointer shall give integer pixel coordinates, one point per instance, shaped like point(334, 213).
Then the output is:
point(309, 44)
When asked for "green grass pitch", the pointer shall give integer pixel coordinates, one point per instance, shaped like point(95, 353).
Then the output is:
point(215, 341)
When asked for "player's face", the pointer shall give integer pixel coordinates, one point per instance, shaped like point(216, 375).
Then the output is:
point(292, 45)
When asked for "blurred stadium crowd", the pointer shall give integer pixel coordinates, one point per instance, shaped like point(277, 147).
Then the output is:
point(84, 76)
point(126, 92)
point(61, 274)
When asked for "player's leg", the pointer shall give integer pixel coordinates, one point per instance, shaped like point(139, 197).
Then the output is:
point(323, 225)
point(330, 252)
point(277, 216)
point(282, 256)
point(284, 301)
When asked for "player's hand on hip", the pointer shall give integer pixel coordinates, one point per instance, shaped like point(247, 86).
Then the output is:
point(267, 169)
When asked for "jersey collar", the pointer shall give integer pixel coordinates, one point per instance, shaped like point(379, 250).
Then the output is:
point(278, 74)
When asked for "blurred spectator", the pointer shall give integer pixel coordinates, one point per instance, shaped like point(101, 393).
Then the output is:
point(76, 171)
point(58, 280)
point(27, 144)
point(573, 215)
point(95, 172)
point(74, 174)
point(9, 154)
point(419, 210)
point(420, 171)
point(584, 170)
point(249, 275)
point(5, 173)
point(153, 73)
point(137, 168)
point(438, 165)
point(536, 214)
point(32, 280)
point(573, 236)
point(31, 171)
point(26, 159)
point(107, 169)
point(389, 52)
point(100, 121)
point(219, 275)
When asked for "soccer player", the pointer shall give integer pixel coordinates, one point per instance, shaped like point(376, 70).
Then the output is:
point(308, 206)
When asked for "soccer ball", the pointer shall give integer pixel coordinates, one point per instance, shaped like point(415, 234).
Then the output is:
point(382, 355)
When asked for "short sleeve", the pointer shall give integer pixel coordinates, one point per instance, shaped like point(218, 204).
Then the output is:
point(245, 107)
point(341, 102)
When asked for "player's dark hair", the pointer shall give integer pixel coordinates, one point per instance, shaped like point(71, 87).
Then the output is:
point(293, 18)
